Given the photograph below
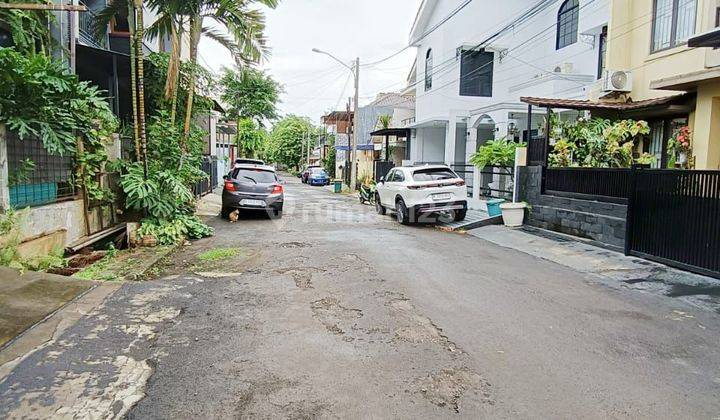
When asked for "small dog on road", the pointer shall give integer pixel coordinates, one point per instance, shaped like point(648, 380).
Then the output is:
point(234, 216)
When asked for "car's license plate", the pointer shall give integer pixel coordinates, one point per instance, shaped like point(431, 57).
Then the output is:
point(254, 203)
point(439, 197)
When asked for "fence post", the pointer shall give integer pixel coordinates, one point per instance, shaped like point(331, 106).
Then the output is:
point(4, 171)
point(476, 183)
point(520, 160)
point(630, 209)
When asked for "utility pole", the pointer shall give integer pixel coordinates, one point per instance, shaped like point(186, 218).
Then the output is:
point(309, 143)
point(353, 169)
point(352, 155)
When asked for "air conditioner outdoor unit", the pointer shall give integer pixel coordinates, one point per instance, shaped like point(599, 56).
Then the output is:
point(617, 81)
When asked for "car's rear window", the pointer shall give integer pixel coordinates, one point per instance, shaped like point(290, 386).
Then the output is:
point(258, 175)
point(317, 170)
point(435, 174)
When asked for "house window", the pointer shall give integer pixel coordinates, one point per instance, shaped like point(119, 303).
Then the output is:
point(673, 23)
point(428, 69)
point(602, 51)
point(567, 23)
point(476, 73)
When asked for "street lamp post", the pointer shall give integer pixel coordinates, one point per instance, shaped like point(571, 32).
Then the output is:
point(355, 70)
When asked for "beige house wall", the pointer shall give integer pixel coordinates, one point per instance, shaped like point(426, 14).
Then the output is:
point(629, 45)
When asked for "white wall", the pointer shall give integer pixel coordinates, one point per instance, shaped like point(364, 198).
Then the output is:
point(532, 41)
point(428, 145)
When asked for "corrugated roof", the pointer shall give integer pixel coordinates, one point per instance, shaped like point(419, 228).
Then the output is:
point(590, 105)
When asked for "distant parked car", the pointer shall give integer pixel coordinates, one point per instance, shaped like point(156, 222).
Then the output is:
point(416, 191)
point(306, 173)
point(252, 187)
point(318, 176)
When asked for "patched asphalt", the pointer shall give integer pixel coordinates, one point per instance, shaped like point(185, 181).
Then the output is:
point(335, 311)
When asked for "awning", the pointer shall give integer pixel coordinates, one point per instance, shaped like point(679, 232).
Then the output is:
point(398, 132)
point(710, 39)
point(585, 105)
point(656, 107)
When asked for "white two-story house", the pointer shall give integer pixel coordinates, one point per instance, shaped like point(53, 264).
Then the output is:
point(475, 59)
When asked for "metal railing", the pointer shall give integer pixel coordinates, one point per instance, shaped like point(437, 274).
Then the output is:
point(208, 184)
point(496, 182)
point(35, 176)
point(466, 172)
point(674, 218)
point(602, 184)
point(87, 27)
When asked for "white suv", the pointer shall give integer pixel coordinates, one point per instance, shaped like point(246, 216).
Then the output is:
point(417, 191)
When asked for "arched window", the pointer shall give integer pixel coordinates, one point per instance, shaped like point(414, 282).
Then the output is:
point(428, 69)
point(567, 23)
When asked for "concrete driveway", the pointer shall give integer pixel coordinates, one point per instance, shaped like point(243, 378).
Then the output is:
point(335, 311)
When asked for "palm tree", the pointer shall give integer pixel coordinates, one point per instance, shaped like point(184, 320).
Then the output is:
point(244, 38)
point(140, 56)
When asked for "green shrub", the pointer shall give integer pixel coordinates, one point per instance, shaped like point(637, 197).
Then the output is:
point(500, 152)
point(173, 230)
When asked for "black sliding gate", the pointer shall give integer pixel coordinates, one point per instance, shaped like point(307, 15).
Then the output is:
point(674, 218)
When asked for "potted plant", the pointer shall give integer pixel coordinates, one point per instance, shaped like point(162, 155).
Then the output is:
point(679, 148)
point(513, 214)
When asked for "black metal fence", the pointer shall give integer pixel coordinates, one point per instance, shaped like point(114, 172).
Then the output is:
point(674, 218)
point(207, 185)
point(36, 177)
point(603, 184)
point(537, 152)
point(496, 182)
point(465, 172)
point(381, 169)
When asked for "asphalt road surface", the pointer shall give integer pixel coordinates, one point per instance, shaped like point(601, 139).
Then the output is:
point(337, 312)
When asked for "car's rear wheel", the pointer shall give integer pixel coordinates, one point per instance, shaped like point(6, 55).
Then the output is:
point(225, 212)
point(401, 212)
point(378, 206)
point(459, 215)
point(275, 213)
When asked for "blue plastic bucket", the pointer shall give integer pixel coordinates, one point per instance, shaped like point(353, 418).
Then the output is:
point(493, 207)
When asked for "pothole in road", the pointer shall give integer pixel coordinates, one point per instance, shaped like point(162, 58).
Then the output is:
point(333, 315)
point(417, 328)
point(295, 244)
point(447, 387)
point(302, 276)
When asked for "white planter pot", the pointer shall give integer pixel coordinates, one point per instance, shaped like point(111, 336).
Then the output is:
point(513, 214)
point(682, 158)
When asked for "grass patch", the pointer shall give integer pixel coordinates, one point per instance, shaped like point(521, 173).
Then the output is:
point(218, 254)
point(100, 270)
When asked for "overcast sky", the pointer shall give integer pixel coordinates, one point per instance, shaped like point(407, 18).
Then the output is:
point(314, 83)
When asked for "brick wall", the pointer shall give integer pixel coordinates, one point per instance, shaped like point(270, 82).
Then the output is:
point(599, 221)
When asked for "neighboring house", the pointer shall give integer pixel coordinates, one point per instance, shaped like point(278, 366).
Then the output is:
point(473, 66)
point(339, 124)
point(105, 60)
point(392, 143)
point(57, 214)
point(649, 39)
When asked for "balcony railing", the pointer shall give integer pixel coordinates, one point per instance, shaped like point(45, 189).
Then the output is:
point(88, 36)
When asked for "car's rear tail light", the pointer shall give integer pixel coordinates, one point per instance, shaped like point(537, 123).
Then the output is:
point(416, 187)
point(229, 186)
point(277, 189)
point(460, 183)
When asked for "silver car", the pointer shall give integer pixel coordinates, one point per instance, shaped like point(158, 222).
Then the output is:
point(253, 187)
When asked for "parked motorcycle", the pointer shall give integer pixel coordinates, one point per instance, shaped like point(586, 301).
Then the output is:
point(367, 194)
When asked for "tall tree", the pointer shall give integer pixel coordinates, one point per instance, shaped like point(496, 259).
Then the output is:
point(140, 57)
point(244, 36)
point(250, 94)
point(285, 143)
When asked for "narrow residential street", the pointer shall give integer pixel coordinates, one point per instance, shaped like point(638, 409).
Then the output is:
point(335, 311)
